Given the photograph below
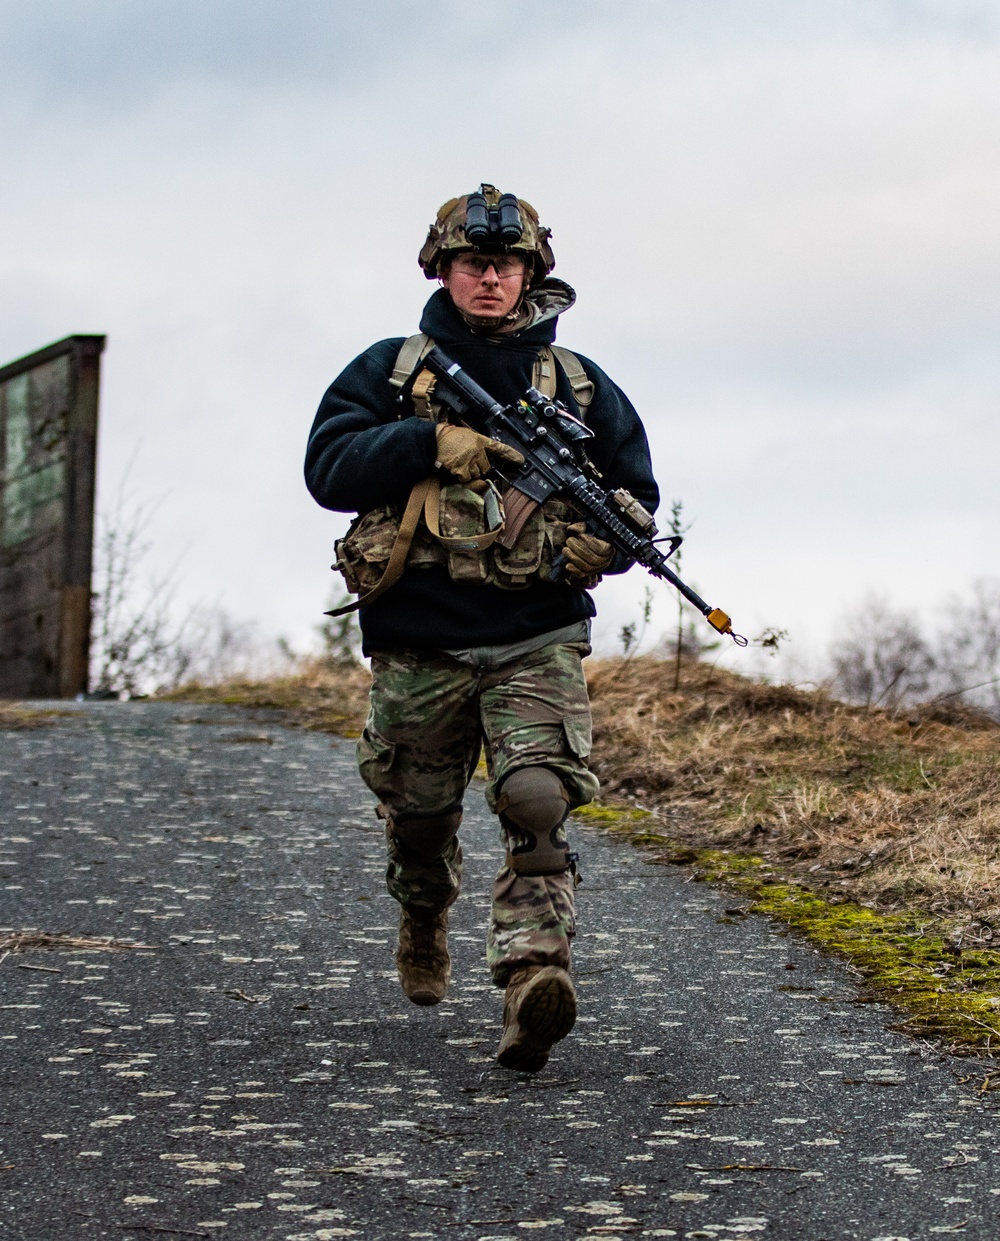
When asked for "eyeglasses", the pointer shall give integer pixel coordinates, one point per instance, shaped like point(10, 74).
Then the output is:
point(506, 266)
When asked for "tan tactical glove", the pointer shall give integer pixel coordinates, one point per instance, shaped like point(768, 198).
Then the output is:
point(587, 556)
point(466, 453)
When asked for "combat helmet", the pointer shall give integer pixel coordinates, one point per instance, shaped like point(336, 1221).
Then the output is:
point(488, 222)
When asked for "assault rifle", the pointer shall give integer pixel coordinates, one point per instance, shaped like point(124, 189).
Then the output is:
point(552, 440)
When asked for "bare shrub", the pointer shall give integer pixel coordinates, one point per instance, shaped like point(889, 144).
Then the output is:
point(210, 646)
point(968, 647)
point(881, 659)
point(140, 645)
point(131, 623)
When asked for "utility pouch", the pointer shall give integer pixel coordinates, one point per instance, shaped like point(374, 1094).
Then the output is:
point(513, 566)
point(467, 515)
point(364, 551)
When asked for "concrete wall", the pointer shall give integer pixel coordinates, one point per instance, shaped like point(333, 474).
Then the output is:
point(48, 440)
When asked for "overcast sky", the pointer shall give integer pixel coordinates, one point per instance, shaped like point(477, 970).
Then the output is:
point(780, 217)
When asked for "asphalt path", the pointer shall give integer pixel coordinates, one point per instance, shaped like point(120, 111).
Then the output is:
point(257, 1073)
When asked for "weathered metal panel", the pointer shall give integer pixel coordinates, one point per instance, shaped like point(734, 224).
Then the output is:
point(48, 442)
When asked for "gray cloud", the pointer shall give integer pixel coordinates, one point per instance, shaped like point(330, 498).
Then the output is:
point(780, 218)
point(122, 52)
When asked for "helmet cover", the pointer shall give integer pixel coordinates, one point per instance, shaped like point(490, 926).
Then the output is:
point(447, 236)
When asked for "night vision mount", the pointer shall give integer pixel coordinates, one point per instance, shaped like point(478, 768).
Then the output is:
point(493, 228)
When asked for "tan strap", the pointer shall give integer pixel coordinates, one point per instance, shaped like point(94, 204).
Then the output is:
point(543, 372)
point(471, 543)
point(424, 498)
point(400, 548)
point(414, 350)
point(583, 388)
point(544, 378)
point(421, 392)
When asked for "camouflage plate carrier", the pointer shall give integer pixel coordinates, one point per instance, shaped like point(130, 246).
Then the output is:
point(476, 531)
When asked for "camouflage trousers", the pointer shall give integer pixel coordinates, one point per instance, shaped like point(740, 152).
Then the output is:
point(430, 718)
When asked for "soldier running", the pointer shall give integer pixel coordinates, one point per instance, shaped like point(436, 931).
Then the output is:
point(475, 641)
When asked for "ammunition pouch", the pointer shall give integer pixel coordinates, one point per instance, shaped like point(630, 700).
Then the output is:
point(362, 555)
point(466, 518)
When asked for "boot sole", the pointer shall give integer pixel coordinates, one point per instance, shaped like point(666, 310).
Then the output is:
point(429, 993)
point(546, 1013)
point(424, 998)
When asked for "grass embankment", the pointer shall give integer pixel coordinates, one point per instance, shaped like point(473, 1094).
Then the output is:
point(876, 835)
point(13, 717)
point(322, 697)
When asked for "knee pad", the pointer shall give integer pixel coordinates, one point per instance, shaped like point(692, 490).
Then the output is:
point(533, 806)
point(425, 836)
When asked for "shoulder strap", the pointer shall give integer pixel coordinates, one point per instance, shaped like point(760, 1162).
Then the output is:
point(583, 388)
point(414, 349)
point(543, 375)
point(543, 372)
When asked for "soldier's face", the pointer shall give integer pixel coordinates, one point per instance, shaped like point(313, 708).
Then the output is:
point(485, 287)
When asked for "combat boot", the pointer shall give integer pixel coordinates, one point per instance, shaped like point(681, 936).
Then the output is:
point(539, 1009)
point(422, 957)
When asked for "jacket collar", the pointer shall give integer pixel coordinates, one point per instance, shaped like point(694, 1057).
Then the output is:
point(543, 304)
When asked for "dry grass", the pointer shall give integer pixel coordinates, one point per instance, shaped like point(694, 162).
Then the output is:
point(891, 811)
point(326, 698)
point(14, 716)
point(24, 941)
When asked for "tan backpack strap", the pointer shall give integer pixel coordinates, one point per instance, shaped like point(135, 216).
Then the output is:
point(543, 372)
point(414, 350)
point(471, 543)
point(583, 388)
point(400, 548)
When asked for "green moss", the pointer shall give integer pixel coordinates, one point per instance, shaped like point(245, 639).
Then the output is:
point(907, 960)
point(618, 818)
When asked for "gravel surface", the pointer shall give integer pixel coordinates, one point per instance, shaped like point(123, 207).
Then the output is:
point(257, 1072)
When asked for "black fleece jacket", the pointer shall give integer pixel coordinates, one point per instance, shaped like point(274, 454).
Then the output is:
point(362, 454)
